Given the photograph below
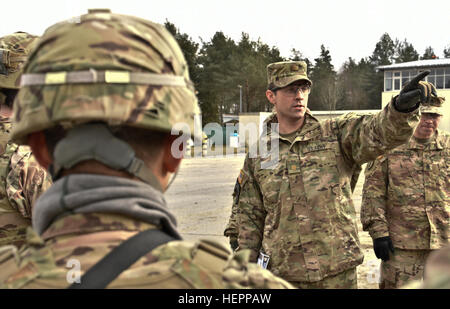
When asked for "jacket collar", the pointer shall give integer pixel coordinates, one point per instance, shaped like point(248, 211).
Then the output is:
point(311, 128)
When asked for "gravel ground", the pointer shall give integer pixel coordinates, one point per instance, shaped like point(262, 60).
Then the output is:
point(200, 198)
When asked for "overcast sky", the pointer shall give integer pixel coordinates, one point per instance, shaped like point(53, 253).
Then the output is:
point(348, 28)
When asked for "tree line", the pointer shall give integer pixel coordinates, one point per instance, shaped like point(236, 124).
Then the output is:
point(226, 73)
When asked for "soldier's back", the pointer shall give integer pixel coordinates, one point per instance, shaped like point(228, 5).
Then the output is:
point(79, 241)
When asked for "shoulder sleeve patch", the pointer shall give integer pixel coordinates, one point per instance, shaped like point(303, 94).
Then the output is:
point(240, 177)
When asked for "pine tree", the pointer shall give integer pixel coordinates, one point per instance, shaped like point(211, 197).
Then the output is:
point(323, 76)
point(405, 52)
point(384, 51)
point(355, 85)
point(428, 54)
point(447, 52)
point(215, 62)
point(189, 49)
point(383, 54)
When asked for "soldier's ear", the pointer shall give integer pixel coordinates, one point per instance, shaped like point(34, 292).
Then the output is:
point(171, 161)
point(270, 95)
point(38, 145)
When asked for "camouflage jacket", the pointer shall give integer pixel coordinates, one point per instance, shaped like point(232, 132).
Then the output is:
point(300, 211)
point(406, 194)
point(22, 180)
point(232, 230)
point(76, 242)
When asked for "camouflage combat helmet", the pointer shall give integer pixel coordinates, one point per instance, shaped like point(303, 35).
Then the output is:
point(284, 73)
point(14, 49)
point(106, 67)
point(99, 71)
point(434, 106)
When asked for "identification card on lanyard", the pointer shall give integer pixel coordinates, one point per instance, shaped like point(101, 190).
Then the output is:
point(263, 260)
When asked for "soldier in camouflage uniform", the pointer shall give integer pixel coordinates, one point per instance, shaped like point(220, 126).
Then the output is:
point(406, 200)
point(232, 230)
point(298, 209)
point(22, 179)
point(99, 99)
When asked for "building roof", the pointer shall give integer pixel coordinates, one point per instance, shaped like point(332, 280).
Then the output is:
point(417, 64)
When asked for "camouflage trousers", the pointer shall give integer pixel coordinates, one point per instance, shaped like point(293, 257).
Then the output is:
point(344, 280)
point(403, 267)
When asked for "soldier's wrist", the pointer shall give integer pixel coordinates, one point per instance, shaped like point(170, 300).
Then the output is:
point(378, 234)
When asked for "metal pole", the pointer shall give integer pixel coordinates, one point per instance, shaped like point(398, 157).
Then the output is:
point(240, 98)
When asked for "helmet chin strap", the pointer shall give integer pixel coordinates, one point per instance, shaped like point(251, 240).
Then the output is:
point(172, 178)
point(95, 141)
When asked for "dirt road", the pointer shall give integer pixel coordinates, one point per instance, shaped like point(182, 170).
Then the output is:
point(200, 198)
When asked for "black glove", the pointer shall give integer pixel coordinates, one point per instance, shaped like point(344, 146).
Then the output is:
point(233, 243)
point(415, 92)
point(382, 246)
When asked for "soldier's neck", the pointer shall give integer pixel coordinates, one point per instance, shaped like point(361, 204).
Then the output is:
point(424, 139)
point(288, 126)
point(5, 111)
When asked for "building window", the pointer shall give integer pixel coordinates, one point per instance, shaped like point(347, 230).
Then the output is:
point(440, 78)
point(431, 78)
point(387, 81)
point(397, 80)
point(407, 76)
point(447, 78)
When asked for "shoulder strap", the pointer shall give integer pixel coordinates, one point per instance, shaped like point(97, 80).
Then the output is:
point(121, 258)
